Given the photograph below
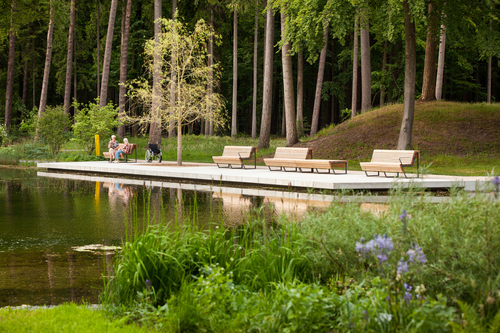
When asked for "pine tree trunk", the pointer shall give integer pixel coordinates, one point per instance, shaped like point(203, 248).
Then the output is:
point(405, 134)
point(366, 72)
point(209, 126)
point(48, 60)
point(255, 50)
point(319, 84)
point(289, 98)
point(26, 72)
point(234, 122)
point(9, 91)
point(69, 58)
point(300, 94)
point(267, 97)
point(488, 85)
point(171, 124)
point(354, 100)
point(384, 67)
point(440, 69)
point(155, 126)
point(429, 79)
point(98, 48)
point(107, 55)
point(122, 99)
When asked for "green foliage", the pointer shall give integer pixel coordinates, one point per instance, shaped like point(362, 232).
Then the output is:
point(472, 322)
point(8, 156)
point(3, 134)
point(371, 307)
point(91, 120)
point(52, 128)
point(29, 123)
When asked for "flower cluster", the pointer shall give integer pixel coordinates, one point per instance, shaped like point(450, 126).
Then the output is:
point(379, 246)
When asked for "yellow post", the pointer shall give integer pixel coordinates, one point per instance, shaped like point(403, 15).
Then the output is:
point(97, 145)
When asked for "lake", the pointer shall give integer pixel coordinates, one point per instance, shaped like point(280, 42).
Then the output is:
point(59, 233)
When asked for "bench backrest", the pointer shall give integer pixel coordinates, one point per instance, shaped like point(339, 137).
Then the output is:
point(293, 153)
point(239, 151)
point(132, 146)
point(393, 156)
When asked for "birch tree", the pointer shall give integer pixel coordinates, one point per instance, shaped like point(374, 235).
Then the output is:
point(191, 78)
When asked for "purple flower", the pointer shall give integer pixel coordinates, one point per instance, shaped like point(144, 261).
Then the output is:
point(148, 284)
point(408, 287)
point(496, 181)
point(403, 217)
point(402, 267)
point(416, 254)
point(407, 296)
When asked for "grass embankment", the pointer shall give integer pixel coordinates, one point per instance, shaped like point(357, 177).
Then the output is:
point(65, 318)
point(453, 138)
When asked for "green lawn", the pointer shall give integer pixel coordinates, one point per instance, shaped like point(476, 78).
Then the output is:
point(64, 318)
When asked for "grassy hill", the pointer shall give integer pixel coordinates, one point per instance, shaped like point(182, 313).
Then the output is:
point(454, 138)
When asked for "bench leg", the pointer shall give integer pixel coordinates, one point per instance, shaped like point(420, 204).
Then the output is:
point(242, 166)
point(377, 175)
point(275, 170)
point(226, 167)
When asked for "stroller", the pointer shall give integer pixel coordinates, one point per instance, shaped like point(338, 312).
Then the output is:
point(153, 152)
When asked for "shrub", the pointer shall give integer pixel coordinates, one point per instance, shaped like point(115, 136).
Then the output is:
point(92, 120)
point(3, 134)
point(53, 127)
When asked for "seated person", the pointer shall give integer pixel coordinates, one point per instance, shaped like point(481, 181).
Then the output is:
point(125, 150)
point(113, 147)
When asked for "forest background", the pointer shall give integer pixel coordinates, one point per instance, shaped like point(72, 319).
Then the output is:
point(57, 51)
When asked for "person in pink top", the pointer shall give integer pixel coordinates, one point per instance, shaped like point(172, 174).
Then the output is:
point(125, 149)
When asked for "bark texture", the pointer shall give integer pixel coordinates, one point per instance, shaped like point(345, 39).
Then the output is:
point(366, 71)
point(267, 97)
point(48, 60)
point(405, 134)
point(69, 57)
point(155, 125)
point(429, 79)
point(122, 99)
point(234, 122)
point(440, 69)
point(255, 50)
point(355, 49)
point(107, 55)
point(9, 91)
point(319, 84)
point(289, 98)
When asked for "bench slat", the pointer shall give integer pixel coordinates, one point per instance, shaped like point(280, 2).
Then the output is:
point(293, 153)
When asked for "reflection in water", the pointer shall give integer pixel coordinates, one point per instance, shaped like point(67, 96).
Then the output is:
point(47, 220)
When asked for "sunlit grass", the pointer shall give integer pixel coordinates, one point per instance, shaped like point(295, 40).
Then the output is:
point(63, 318)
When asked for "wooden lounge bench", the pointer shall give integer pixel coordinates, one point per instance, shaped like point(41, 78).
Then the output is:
point(301, 158)
point(125, 156)
point(286, 157)
point(321, 164)
point(393, 161)
point(235, 155)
